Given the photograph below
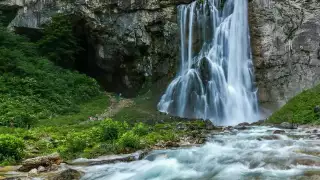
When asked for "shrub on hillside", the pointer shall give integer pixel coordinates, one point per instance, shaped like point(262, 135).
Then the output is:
point(299, 109)
point(58, 43)
point(140, 129)
point(112, 130)
point(11, 148)
point(129, 140)
point(76, 143)
point(32, 87)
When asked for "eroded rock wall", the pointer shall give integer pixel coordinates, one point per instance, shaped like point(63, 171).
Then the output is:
point(285, 42)
point(135, 41)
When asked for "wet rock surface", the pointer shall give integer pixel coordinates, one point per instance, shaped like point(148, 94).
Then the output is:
point(109, 159)
point(279, 132)
point(70, 174)
point(42, 163)
point(287, 125)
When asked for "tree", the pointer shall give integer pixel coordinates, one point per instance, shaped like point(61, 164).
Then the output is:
point(58, 43)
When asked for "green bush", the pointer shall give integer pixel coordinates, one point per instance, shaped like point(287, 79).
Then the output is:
point(58, 43)
point(11, 148)
point(101, 149)
point(140, 129)
point(299, 109)
point(112, 130)
point(33, 88)
point(164, 135)
point(75, 144)
point(129, 140)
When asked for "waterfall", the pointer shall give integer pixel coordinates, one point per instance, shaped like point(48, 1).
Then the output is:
point(215, 77)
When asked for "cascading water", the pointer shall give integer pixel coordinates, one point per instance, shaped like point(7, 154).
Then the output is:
point(215, 80)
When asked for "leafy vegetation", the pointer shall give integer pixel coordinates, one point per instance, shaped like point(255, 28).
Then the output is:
point(129, 140)
point(111, 130)
point(84, 139)
point(140, 129)
point(45, 108)
point(33, 88)
point(59, 43)
point(299, 109)
point(11, 149)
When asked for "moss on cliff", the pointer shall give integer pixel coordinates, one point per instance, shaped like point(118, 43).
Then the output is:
point(299, 109)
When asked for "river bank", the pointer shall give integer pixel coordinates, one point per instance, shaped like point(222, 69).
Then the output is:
point(259, 151)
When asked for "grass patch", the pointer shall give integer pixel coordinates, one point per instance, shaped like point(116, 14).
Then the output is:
point(96, 138)
point(49, 135)
point(91, 108)
point(145, 107)
point(299, 109)
point(73, 136)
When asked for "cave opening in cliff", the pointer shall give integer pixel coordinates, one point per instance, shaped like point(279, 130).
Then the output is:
point(7, 15)
point(85, 59)
point(82, 62)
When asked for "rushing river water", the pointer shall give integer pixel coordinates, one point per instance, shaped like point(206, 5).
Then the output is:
point(255, 153)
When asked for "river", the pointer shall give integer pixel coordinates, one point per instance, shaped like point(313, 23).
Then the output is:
point(254, 153)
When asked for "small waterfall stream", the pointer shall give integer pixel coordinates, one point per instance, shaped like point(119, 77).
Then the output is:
point(215, 78)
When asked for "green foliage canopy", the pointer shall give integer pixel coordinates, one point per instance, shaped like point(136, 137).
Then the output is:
point(32, 87)
point(59, 43)
point(11, 148)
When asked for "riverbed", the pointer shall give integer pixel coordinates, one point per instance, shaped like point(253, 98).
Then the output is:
point(253, 153)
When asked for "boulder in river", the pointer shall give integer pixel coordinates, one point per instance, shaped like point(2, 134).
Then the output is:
point(239, 127)
point(68, 174)
point(41, 169)
point(279, 132)
point(33, 171)
point(315, 131)
point(45, 161)
point(110, 159)
point(270, 137)
point(171, 144)
point(306, 162)
point(244, 124)
point(227, 128)
point(287, 125)
point(258, 123)
point(209, 125)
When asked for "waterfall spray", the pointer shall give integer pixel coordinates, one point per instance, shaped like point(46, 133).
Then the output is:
point(215, 78)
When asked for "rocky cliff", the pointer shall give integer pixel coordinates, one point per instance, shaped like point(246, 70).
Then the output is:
point(285, 41)
point(129, 42)
point(133, 42)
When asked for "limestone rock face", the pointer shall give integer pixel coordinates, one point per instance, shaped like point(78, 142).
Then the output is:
point(285, 42)
point(133, 41)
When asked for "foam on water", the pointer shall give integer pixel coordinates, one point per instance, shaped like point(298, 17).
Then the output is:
point(227, 156)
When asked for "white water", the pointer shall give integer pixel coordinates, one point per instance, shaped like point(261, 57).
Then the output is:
point(227, 156)
point(215, 79)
